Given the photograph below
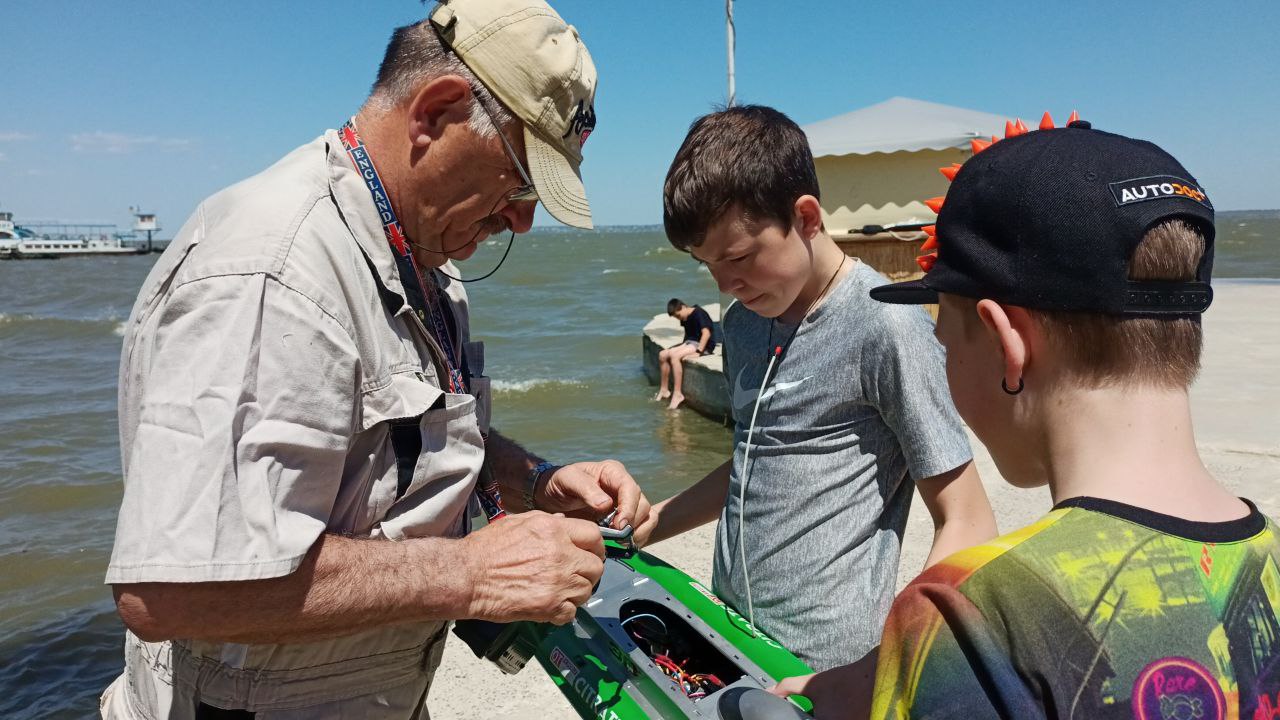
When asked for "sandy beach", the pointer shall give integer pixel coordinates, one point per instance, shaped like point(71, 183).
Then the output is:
point(1237, 423)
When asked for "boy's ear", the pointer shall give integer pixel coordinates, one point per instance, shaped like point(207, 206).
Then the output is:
point(807, 216)
point(1010, 327)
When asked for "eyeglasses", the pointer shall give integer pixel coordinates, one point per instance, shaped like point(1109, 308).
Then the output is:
point(526, 191)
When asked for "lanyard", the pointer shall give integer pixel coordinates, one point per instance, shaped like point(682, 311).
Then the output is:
point(426, 304)
point(424, 301)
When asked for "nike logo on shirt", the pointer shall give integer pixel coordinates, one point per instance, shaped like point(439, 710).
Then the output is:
point(744, 398)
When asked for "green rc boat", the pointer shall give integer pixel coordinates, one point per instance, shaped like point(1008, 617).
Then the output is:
point(651, 642)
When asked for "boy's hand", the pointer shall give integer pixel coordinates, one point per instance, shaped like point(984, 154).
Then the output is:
point(640, 533)
point(842, 692)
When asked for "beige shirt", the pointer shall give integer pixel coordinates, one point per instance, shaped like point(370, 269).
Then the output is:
point(260, 371)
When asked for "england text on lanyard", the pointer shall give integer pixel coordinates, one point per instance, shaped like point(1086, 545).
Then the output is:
point(424, 301)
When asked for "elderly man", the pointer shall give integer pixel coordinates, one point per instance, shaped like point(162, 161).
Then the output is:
point(304, 418)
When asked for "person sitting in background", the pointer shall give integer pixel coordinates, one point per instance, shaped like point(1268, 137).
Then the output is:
point(697, 341)
point(1072, 270)
point(839, 405)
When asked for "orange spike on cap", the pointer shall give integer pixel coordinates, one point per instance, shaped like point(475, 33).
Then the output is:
point(1046, 122)
point(1022, 127)
point(926, 262)
point(950, 172)
point(935, 204)
point(1010, 130)
point(929, 230)
point(1074, 117)
point(978, 145)
point(930, 244)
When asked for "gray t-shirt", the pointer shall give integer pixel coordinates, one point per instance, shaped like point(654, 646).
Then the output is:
point(857, 408)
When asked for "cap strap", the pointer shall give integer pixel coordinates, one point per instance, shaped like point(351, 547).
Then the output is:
point(445, 22)
point(1167, 298)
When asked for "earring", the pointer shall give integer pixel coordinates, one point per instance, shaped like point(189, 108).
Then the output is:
point(1005, 386)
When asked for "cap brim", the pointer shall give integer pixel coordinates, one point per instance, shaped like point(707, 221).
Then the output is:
point(911, 292)
point(558, 182)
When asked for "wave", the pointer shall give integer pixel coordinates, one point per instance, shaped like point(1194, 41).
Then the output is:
point(112, 321)
point(610, 271)
point(513, 387)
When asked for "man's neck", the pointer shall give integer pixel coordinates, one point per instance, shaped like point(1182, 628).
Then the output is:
point(1130, 445)
point(828, 262)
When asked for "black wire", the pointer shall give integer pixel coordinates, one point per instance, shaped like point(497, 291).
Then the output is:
point(474, 239)
point(510, 242)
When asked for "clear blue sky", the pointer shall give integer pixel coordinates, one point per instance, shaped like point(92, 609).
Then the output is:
point(110, 104)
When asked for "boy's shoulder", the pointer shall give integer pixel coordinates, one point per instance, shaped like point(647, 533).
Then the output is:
point(1095, 535)
point(880, 318)
point(1089, 599)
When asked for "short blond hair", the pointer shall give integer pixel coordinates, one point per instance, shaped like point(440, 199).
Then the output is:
point(1108, 350)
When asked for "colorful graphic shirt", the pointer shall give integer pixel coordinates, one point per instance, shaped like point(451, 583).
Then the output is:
point(1099, 610)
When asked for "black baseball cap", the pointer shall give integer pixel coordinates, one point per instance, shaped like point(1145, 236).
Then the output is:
point(1049, 220)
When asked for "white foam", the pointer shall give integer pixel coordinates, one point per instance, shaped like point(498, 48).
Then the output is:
point(610, 271)
point(660, 250)
point(524, 386)
point(674, 270)
point(118, 330)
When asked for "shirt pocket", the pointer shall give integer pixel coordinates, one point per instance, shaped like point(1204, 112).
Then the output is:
point(450, 452)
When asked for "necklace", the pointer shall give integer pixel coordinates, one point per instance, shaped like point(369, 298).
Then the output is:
point(781, 350)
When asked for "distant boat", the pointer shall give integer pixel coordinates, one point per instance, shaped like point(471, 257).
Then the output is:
point(22, 243)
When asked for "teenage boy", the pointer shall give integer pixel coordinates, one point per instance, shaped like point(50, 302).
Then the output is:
point(852, 415)
point(1072, 269)
point(697, 341)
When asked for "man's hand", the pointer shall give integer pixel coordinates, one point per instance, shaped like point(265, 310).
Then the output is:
point(532, 566)
point(591, 490)
point(841, 692)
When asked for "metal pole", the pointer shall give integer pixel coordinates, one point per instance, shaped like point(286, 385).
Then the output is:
point(729, 33)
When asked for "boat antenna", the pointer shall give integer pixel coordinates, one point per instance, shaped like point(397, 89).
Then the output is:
point(729, 35)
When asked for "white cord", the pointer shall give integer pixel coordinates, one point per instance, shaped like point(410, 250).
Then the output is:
point(751, 428)
point(742, 494)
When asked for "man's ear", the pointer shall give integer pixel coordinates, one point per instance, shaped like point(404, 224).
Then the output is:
point(807, 216)
point(1010, 327)
point(437, 104)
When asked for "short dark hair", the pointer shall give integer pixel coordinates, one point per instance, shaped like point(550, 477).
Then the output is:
point(675, 304)
point(1161, 352)
point(750, 156)
point(416, 54)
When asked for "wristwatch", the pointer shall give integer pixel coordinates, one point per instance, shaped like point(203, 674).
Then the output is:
point(531, 482)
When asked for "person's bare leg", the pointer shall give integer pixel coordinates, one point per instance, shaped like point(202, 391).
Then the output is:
point(677, 373)
point(664, 371)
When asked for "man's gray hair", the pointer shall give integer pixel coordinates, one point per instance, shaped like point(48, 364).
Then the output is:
point(416, 55)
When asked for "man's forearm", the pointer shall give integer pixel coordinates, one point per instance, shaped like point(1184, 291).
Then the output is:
point(343, 585)
point(697, 505)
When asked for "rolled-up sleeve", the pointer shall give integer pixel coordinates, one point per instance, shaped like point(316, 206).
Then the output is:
point(246, 393)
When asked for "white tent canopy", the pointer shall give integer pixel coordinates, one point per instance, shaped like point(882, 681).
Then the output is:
point(901, 124)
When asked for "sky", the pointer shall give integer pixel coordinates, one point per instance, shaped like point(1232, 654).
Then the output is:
point(113, 104)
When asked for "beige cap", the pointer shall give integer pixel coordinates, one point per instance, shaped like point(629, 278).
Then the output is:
point(537, 66)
